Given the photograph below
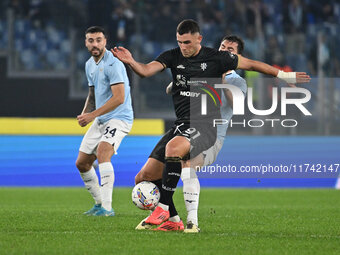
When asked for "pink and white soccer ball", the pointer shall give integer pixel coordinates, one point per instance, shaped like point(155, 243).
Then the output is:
point(145, 195)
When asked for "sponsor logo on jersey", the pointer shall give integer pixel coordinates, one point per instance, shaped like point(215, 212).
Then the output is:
point(197, 82)
point(180, 67)
point(189, 94)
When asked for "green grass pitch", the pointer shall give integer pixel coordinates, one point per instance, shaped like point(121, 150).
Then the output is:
point(233, 221)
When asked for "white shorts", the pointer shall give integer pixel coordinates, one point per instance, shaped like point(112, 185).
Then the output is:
point(210, 154)
point(112, 131)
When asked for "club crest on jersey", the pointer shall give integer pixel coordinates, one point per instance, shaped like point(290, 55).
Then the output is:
point(203, 66)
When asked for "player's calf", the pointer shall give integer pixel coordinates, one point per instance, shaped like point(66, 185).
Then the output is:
point(191, 191)
point(152, 170)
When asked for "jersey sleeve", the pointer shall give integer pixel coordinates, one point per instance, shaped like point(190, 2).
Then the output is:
point(114, 72)
point(165, 58)
point(229, 61)
point(87, 72)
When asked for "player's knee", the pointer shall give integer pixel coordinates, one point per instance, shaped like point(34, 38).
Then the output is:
point(83, 166)
point(171, 150)
point(177, 147)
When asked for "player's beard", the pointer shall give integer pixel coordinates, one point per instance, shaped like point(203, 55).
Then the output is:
point(98, 50)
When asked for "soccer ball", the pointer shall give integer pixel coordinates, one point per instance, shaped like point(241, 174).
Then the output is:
point(145, 195)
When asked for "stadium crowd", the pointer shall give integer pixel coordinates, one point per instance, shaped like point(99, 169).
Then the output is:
point(275, 31)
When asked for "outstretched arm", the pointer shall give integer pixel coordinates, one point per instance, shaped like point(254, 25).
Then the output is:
point(289, 77)
point(143, 70)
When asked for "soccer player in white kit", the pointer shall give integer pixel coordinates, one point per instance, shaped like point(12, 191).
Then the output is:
point(108, 105)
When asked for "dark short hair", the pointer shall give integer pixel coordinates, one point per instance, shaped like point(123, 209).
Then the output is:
point(95, 29)
point(188, 26)
point(236, 39)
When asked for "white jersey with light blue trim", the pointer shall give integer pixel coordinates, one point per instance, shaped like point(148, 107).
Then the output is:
point(231, 78)
point(104, 74)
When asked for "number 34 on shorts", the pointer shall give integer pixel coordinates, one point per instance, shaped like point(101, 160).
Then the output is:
point(112, 132)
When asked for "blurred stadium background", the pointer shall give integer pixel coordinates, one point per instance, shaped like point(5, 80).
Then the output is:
point(43, 85)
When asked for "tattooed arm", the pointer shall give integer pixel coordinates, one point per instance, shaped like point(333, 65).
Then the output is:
point(90, 103)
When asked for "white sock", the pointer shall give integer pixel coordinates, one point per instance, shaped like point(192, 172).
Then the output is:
point(91, 182)
point(107, 179)
point(175, 218)
point(191, 192)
